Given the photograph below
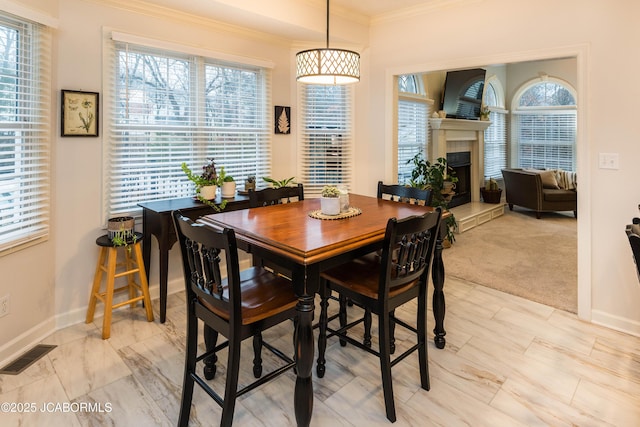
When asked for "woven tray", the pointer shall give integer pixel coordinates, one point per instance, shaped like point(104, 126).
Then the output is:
point(353, 211)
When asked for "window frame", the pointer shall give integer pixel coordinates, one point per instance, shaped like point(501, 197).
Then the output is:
point(201, 138)
point(29, 120)
point(417, 99)
point(495, 136)
point(566, 113)
point(335, 118)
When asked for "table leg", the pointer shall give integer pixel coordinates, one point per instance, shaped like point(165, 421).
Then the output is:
point(164, 273)
point(303, 399)
point(437, 276)
point(146, 242)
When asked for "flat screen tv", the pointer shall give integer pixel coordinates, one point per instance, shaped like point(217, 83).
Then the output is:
point(462, 95)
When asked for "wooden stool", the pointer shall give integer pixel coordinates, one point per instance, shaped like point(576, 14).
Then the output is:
point(107, 263)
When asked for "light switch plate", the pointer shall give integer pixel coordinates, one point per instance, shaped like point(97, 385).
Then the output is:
point(609, 161)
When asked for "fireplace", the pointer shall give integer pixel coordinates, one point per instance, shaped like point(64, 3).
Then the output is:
point(460, 162)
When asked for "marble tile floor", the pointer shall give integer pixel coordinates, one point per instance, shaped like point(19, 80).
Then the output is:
point(508, 362)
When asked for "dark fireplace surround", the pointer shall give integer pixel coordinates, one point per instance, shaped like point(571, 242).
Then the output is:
point(460, 162)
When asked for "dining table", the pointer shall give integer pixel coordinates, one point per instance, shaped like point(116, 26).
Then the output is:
point(296, 237)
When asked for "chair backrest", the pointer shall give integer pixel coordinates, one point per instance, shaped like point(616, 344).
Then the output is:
point(202, 248)
point(401, 193)
point(408, 248)
point(275, 196)
point(633, 233)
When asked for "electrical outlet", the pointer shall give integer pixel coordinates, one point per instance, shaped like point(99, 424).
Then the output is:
point(4, 305)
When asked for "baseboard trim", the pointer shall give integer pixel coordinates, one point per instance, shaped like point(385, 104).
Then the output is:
point(17, 346)
point(616, 323)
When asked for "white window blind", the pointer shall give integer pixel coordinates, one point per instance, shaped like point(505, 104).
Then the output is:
point(171, 108)
point(326, 136)
point(545, 124)
point(495, 145)
point(25, 109)
point(413, 131)
point(546, 139)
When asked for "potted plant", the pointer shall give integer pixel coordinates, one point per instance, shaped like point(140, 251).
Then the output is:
point(484, 113)
point(330, 201)
point(490, 192)
point(441, 179)
point(227, 184)
point(277, 184)
point(250, 183)
point(120, 231)
point(206, 184)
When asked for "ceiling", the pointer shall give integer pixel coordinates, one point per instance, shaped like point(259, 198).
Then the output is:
point(292, 19)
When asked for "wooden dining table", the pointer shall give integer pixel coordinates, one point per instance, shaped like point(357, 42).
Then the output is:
point(287, 236)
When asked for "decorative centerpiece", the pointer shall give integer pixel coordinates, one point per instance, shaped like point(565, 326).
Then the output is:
point(330, 201)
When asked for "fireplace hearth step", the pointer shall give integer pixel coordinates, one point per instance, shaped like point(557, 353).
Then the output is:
point(474, 214)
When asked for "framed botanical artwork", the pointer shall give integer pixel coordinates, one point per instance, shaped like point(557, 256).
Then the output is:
point(79, 113)
point(282, 116)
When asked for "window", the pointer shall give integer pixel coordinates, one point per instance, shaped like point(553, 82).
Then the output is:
point(545, 125)
point(326, 138)
point(495, 136)
point(171, 108)
point(413, 128)
point(25, 106)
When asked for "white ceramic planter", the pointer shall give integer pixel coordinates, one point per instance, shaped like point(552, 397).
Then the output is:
point(229, 189)
point(330, 205)
point(208, 191)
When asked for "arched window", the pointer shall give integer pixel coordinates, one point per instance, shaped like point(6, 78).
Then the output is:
point(495, 136)
point(413, 114)
point(544, 124)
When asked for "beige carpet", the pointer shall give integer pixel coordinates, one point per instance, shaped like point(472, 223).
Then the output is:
point(519, 254)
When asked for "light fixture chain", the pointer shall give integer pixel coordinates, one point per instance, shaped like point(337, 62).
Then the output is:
point(327, 24)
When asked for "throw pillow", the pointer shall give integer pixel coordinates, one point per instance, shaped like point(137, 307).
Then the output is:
point(548, 179)
point(566, 179)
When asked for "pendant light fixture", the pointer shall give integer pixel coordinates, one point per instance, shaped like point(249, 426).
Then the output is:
point(327, 66)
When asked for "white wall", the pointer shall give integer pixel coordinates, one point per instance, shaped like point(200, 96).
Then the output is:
point(53, 279)
point(602, 35)
point(50, 283)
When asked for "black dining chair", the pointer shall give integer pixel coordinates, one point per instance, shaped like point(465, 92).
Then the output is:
point(403, 194)
point(633, 234)
point(382, 283)
point(275, 196)
point(240, 306)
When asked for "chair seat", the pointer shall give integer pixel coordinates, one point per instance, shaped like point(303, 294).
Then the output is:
point(362, 276)
point(263, 295)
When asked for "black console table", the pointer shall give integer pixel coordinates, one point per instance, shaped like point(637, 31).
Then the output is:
point(156, 220)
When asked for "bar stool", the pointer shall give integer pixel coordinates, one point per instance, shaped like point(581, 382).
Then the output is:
point(107, 263)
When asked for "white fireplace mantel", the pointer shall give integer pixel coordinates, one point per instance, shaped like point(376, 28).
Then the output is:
point(456, 135)
point(459, 124)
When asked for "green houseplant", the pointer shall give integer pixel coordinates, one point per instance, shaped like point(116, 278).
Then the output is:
point(206, 183)
point(120, 231)
point(441, 179)
point(227, 184)
point(277, 184)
